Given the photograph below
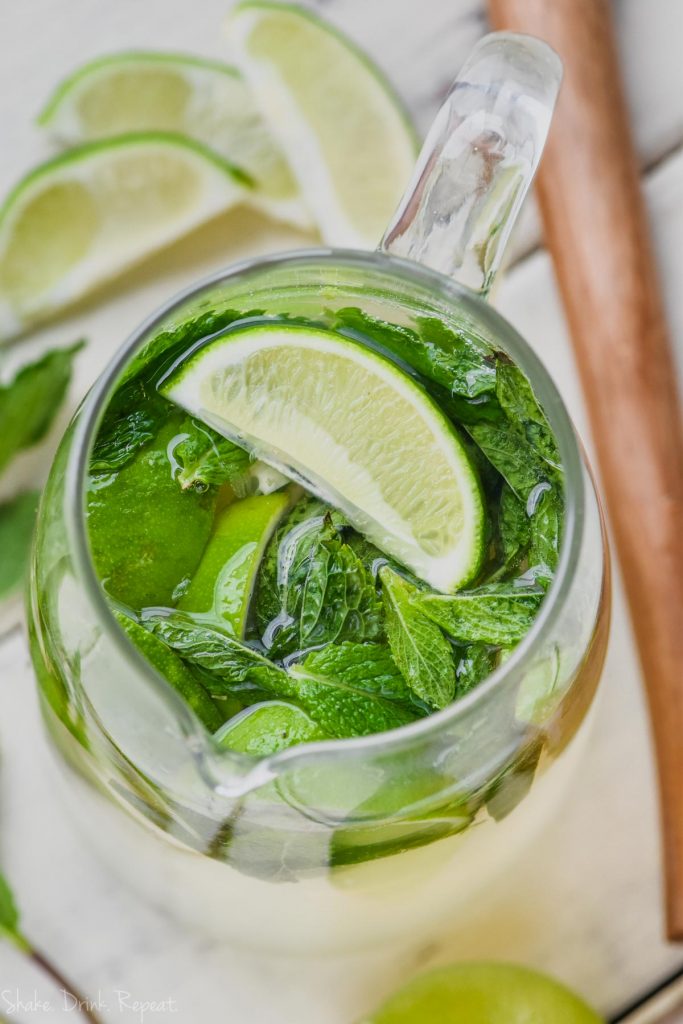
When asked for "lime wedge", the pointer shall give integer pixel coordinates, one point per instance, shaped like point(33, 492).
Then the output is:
point(266, 728)
point(354, 429)
point(344, 132)
point(83, 217)
point(222, 585)
point(484, 993)
point(206, 100)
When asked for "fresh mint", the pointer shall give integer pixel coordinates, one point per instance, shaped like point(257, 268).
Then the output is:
point(204, 458)
point(365, 666)
point(120, 438)
point(9, 916)
point(324, 591)
point(476, 662)
point(419, 648)
point(496, 613)
point(521, 407)
point(17, 518)
point(513, 528)
point(30, 401)
point(512, 455)
point(546, 529)
point(342, 705)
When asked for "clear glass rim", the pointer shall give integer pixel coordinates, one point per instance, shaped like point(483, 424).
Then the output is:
point(521, 352)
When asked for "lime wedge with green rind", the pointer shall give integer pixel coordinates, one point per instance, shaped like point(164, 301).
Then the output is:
point(338, 121)
point(222, 586)
point(139, 552)
point(204, 99)
point(484, 993)
point(169, 665)
point(86, 216)
point(354, 429)
point(266, 728)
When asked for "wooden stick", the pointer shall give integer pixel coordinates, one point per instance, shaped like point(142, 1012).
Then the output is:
point(596, 229)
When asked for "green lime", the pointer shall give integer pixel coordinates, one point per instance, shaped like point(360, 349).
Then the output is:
point(266, 728)
point(173, 671)
point(355, 429)
point(204, 99)
point(344, 132)
point(139, 553)
point(91, 213)
point(223, 583)
point(484, 993)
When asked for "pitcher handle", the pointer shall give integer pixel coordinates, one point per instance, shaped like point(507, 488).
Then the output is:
point(478, 161)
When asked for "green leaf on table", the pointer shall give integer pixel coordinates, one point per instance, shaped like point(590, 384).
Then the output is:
point(9, 916)
point(546, 529)
point(497, 613)
point(512, 455)
point(419, 648)
point(205, 459)
point(476, 662)
point(521, 407)
point(17, 519)
point(30, 401)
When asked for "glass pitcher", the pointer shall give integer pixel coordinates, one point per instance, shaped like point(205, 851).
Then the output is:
point(332, 845)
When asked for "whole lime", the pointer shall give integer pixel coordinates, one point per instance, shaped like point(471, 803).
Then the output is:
point(484, 993)
point(146, 534)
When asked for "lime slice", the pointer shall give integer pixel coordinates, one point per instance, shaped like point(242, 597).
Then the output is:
point(484, 993)
point(266, 728)
point(206, 100)
point(344, 132)
point(354, 429)
point(87, 215)
point(222, 585)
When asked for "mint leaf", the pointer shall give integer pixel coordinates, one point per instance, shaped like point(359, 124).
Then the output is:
point(322, 591)
point(513, 528)
point(215, 652)
point(205, 459)
point(512, 455)
point(17, 519)
point(546, 529)
point(475, 664)
point(339, 599)
point(119, 439)
point(441, 354)
point(365, 666)
point(420, 650)
point(9, 916)
point(169, 665)
point(521, 407)
point(497, 613)
point(29, 402)
point(343, 707)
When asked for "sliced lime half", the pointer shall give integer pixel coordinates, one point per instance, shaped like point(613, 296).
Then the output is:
point(342, 128)
point(353, 428)
point(206, 100)
point(84, 217)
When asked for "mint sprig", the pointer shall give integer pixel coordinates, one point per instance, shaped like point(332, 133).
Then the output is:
point(418, 646)
point(497, 613)
point(206, 459)
point(30, 401)
point(10, 929)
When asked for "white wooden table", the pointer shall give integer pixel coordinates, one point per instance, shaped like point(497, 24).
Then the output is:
point(584, 903)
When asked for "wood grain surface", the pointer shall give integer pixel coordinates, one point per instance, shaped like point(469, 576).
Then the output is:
point(596, 227)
